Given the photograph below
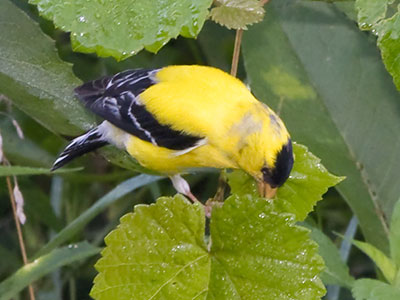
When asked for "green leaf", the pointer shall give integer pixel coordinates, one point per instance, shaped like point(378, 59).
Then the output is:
point(394, 236)
point(389, 43)
point(18, 171)
point(237, 14)
point(370, 289)
point(336, 271)
point(384, 263)
point(308, 181)
point(76, 225)
point(39, 83)
point(40, 267)
point(370, 12)
point(121, 29)
point(34, 78)
point(331, 96)
point(158, 252)
point(372, 15)
point(259, 253)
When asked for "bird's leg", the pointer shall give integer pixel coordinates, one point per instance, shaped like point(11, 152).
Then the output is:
point(183, 187)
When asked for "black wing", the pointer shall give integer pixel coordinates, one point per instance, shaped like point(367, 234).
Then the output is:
point(114, 98)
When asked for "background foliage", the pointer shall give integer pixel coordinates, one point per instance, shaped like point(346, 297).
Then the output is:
point(330, 69)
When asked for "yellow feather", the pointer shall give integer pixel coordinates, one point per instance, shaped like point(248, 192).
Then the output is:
point(240, 131)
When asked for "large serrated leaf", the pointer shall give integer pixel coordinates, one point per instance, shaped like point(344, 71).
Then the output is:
point(370, 289)
point(308, 181)
point(309, 62)
point(259, 253)
point(235, 14)
point(158, 252)
point(122, 28)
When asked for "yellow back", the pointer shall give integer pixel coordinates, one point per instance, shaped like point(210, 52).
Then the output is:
point(208, 102)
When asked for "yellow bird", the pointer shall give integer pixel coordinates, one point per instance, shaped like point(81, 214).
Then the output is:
point(179, 118)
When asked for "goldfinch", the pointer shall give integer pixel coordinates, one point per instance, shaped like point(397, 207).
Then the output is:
point(179, 118)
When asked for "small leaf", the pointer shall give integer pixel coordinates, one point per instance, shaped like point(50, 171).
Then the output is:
point(308, 181)
point(370, 289)
point(394, 237)
point(336, 271)
point(389, 43)
point(19, 170)
point(259, 253)
point(121, 29)
point(370, 12)
point(27, 274)
point(157, 252)
point(384, 263)
point(237, 14)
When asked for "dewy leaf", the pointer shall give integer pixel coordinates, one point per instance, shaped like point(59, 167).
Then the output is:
point(157, 252)
point(31, 272)
point(122, 28)
point(370, 289)
point(327, 82)
point(394, 237)
point(259, 253)
point(237, 14)
point(384, 263)
point(308, 181)
point(38, 82)
point(369, 12)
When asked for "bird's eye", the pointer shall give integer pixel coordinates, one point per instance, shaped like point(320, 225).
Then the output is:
point(265, 171)
point(266, 174)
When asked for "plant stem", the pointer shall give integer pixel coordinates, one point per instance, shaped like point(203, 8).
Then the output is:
point(236, 52)
point(19, 231)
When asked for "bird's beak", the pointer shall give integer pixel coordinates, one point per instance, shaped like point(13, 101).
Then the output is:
point(266, 190)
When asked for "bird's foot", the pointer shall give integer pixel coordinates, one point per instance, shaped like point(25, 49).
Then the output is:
point(183, 187)
point(209, 206)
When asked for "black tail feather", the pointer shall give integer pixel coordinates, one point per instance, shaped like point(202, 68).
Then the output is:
point(90, 141)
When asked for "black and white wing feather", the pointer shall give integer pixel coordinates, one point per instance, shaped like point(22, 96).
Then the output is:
point(115, 98)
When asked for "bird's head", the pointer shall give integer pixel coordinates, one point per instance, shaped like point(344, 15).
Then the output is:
point(267, 154)
point(274, 176)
